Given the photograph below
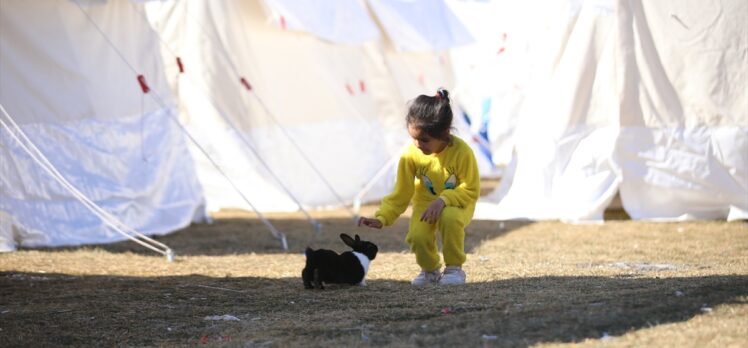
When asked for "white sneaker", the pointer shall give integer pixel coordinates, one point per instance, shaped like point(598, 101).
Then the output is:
point(425, 278)
point(453, 275)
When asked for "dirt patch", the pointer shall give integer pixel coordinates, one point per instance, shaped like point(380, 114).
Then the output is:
point(624, 283)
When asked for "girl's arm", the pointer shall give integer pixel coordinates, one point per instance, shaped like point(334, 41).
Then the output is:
point(394, 204)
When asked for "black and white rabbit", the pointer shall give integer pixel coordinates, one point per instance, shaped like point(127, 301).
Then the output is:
point(350, 267)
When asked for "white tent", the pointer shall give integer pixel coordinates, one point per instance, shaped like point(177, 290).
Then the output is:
point(645, 99)
point(110, 157)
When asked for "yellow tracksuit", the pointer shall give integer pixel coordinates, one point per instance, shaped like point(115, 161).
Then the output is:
point(451, 175)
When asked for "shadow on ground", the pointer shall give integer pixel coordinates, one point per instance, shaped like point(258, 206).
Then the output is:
point(58, 309)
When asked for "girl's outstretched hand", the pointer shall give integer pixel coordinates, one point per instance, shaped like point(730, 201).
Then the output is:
point(373, 223)
point(433, 211)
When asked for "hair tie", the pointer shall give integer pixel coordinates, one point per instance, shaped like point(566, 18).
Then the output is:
point(439, 94)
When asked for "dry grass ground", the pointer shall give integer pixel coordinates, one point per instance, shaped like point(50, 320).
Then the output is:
point(623, 283)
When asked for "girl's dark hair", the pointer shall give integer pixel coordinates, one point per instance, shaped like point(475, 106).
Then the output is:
point(431, 114)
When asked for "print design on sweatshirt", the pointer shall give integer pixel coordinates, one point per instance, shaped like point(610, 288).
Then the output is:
point(451, 182)
point(425, 179)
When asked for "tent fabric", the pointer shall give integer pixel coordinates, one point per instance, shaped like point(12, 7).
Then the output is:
point(7, 238)
point(338, 21)
point(290, 131)
point(79, 101)
point(494, 73)
point(319, 121)
point(420, 25)
point(634, 103)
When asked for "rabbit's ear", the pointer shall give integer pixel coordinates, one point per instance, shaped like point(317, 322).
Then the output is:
point(358, 239)
point(347, 240)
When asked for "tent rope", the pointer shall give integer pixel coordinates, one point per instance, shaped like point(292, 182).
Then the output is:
point(118, 226)
point(279, 235)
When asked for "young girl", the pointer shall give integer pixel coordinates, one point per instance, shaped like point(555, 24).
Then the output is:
point(439, 175)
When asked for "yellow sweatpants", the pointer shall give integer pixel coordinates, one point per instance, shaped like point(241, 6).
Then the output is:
point(422, 237)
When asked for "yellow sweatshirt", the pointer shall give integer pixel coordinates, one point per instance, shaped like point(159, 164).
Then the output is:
point(451, 175)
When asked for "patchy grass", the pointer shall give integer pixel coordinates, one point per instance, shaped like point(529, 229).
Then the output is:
point(623, 283)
